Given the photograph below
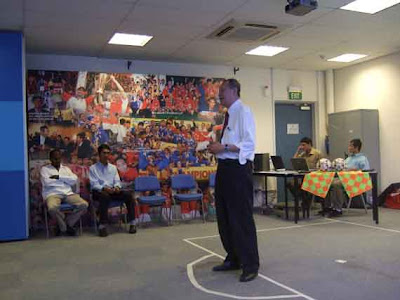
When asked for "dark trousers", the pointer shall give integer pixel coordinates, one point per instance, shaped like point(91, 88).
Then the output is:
point(105, 198)
point(234, 205)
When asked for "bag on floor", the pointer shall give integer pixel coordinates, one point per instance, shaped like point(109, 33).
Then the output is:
point(393, 200)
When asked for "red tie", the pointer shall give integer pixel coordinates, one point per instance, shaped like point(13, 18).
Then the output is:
point(225, 124)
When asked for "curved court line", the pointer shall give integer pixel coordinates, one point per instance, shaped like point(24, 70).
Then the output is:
point(211, 253)
point(197, 285)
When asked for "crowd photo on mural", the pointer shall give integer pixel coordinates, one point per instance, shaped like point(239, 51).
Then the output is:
point(154, 124)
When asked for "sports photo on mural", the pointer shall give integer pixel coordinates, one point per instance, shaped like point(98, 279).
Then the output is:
point(155, 125)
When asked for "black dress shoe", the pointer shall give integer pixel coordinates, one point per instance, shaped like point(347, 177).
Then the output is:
point(103, 232)
point(132, 229)
point(248, 276)
point(71, 231)
point(226, 266)
point(335, 213)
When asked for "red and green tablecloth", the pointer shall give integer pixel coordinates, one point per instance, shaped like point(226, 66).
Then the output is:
point(355, 182)
point(318, 183)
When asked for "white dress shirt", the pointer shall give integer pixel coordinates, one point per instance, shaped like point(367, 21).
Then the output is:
point(241, 132)
point(104, 176)
point(61, 186)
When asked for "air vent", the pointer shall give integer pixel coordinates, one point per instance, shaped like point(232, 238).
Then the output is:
point(244, 32)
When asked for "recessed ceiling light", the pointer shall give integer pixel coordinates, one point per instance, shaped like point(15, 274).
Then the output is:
point(369, 6)
point(130, 39)
point(347, 57)
point(266, 50)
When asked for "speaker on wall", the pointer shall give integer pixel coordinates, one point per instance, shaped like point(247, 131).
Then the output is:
point(261, 162)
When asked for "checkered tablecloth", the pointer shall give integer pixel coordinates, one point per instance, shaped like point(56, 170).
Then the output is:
point(355, 182)
point(318, 183)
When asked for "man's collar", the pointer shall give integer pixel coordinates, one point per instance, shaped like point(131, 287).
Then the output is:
point(234, 105)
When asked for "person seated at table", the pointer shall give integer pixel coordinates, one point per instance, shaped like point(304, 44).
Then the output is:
point(106, 187)
point(356, 161)
point(312, 156)
point(307, 151)
point(57, 182)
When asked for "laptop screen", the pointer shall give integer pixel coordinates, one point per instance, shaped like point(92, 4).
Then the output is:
point(299, 164)
point(277, 162)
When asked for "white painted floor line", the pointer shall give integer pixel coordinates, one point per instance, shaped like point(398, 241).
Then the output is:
point(268, 229)
point(200, 287)
point(297, 293)
point(366, 226)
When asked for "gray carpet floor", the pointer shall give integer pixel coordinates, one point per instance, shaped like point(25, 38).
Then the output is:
point(346, 258)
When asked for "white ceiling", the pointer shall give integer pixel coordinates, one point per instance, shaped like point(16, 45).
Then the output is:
point(180, 27)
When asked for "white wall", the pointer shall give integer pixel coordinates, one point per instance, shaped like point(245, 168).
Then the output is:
point(306, 80)
point(375, 85)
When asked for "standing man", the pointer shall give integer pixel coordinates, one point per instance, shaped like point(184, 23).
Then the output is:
point(57, 181)
point(234, 184)
point(106, 187)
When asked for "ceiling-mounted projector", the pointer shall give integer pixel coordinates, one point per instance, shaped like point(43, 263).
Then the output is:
point(300, 7)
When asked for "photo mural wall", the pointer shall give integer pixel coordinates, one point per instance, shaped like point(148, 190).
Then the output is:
point(155, 125)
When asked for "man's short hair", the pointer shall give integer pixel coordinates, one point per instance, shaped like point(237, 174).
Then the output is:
point(37, 97)
point(43, 127)
point(232, 83)
point(53, 152)
point(82, 135)
point(306, 140)
point(356, 143)
point(102, 147)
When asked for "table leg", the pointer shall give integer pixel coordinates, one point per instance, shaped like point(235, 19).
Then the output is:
point(266, 194)
point(375, 212)
point(296, 201)
point(286, 199)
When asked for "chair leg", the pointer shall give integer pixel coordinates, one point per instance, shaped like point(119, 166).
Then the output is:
point(203, 211)
point(46, 222)
point(365, 205)
point(94, 218)
point(80, 226)
point(348, 204)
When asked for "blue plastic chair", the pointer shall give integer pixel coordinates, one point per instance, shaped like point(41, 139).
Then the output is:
point(186, 182)
point(112, 204)
point(152, 185)
point(65, 208)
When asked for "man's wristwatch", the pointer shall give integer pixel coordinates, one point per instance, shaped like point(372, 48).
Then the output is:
point(226, 147)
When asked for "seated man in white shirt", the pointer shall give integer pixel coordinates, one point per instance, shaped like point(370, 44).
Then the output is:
point(106, 187)
point(57, 182)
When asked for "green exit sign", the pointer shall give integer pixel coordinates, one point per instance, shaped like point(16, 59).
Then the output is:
point(295, 95)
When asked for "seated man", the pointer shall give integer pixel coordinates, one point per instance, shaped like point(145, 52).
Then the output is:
point(307, 151)
point(355, 162)
point(106, 187)
point(57, 181)
point(312, 156)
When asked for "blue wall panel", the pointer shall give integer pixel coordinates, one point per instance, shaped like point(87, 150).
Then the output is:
point(12, 152)
point(13, 202)
point(11, 75)
point(13, 206)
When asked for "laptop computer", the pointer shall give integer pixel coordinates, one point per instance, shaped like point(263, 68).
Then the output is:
point(278, 163)
point(299, 164)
